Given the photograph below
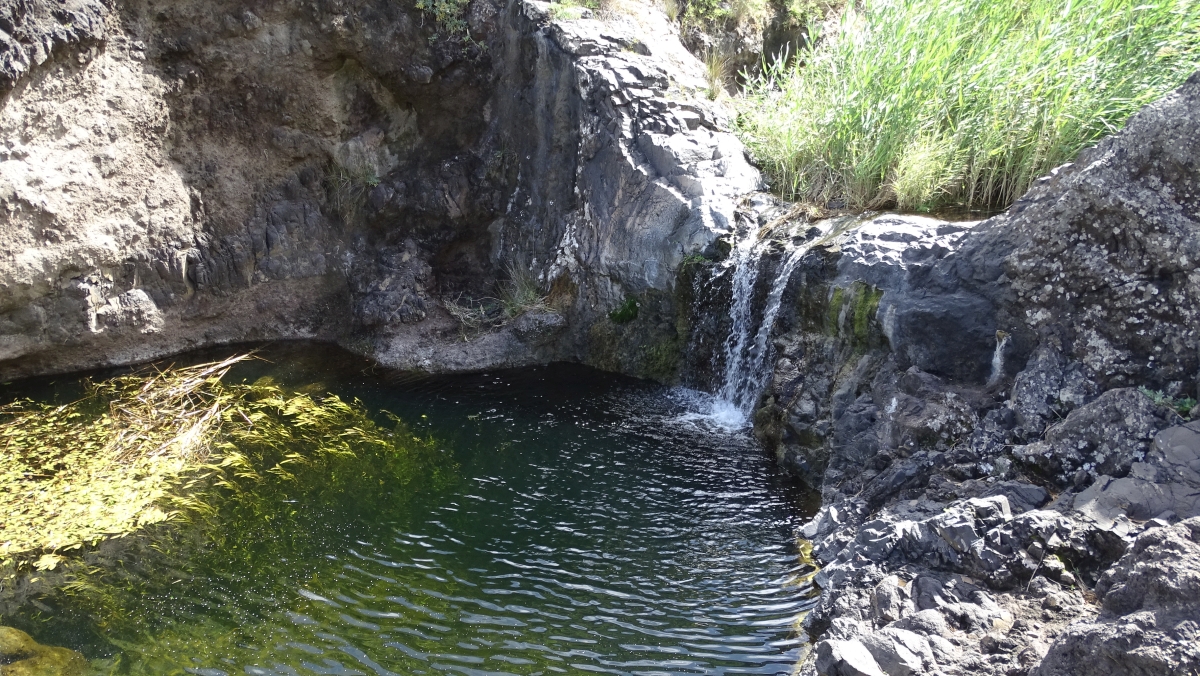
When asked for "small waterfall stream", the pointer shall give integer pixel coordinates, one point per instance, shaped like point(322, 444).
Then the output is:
point(747, 349)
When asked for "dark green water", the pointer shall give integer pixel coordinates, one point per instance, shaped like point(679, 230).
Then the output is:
point(590, 524)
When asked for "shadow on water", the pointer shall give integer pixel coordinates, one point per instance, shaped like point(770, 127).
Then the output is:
point(566, 521)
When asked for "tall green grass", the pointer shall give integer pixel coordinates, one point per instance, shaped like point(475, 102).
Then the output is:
point(941, 104)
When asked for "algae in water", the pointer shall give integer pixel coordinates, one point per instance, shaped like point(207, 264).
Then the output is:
point(161, 445)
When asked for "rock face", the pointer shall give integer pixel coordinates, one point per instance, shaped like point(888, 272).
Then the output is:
point(197, 173)
point(974, 402)
point(969, 397)
point(1151, 604)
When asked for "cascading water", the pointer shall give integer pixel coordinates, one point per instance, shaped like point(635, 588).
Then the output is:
point(744, 262)
point(747, 349)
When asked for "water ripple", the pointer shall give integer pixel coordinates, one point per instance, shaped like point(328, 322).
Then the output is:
point(599, 526)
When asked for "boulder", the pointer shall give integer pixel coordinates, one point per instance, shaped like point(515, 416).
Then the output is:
point(1166, 483)
point(845, 658)
point(1150, 622)
point(1105, 437)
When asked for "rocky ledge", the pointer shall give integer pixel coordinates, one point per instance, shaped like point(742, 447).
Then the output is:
point(996, 416)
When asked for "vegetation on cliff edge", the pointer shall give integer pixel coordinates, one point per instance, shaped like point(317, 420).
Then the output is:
point(935, 104)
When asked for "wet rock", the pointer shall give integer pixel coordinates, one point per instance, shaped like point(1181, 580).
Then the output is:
point(930, 322)
point(20, 655)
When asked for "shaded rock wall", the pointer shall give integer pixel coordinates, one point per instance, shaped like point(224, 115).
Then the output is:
point(187, 174)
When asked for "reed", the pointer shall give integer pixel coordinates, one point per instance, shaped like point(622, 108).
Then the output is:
point(940, 104)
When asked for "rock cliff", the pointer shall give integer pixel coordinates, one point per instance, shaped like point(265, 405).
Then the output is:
point(993, 412)
point(995, 415)
point(175, 175)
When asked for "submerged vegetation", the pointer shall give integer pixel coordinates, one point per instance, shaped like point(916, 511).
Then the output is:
point(934, 104)
point(180, 444)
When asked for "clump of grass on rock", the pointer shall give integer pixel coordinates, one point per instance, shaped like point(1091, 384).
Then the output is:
point(936, 104)
point(520, 293)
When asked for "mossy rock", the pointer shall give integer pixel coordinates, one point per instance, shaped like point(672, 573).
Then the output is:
point(20, 655)
point(626, 312)
point(852, 314)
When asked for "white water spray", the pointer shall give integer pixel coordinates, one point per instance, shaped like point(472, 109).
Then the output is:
point(998, 358)
point(744, 259)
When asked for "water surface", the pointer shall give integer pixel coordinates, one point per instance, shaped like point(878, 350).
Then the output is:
point(590, 524)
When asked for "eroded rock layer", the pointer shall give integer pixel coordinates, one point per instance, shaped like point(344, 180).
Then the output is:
point(174, 175)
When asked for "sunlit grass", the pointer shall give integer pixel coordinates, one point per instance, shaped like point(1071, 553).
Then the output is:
point(934, 104)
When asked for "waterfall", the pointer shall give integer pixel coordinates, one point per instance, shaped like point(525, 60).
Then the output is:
point(744, 259)
point(748, 348)
point(998, 358)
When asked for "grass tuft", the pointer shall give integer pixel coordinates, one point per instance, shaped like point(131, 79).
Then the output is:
point(518, 294)
point(936, 104)
point(716, 71)
point(348, 188)
point(521, 292)
point(672, 9)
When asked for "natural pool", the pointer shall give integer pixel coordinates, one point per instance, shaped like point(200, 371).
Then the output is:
point(570, 522)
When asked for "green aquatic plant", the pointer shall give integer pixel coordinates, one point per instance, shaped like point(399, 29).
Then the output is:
point(934, 104)
point(104, 465)
point(179, 444)
point(272, 476)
